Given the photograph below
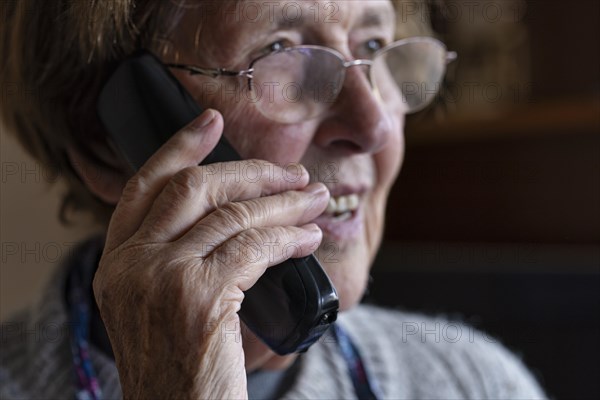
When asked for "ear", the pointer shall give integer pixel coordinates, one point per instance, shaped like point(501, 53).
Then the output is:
point(101, 170)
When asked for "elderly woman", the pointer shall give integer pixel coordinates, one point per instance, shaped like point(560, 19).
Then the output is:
point(169, 275)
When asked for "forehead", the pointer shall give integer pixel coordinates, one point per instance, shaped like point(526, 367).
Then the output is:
point(223, 26)
point(290, 14)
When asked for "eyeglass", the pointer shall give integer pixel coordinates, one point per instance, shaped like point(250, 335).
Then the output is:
point(298, 83)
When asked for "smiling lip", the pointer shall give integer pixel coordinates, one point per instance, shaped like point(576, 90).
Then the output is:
point(347, 226)
point(336, 230)
point(345, 190)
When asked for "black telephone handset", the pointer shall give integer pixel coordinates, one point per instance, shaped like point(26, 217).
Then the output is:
point(141, 106)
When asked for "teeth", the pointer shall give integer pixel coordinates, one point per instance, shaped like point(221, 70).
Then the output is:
point(342, 217)
point(342, 204)
point(332, 206)
point(353, 202)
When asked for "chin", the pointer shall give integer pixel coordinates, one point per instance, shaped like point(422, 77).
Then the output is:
point(347, 252)
point(348, 268)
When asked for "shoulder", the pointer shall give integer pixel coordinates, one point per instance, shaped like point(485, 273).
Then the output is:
point(35, 357)
point(12, 360)
point(36, 360)
point(437, 357)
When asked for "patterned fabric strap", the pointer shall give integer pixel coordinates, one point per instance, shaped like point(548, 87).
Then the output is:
point(80, 310)
point(365, 386)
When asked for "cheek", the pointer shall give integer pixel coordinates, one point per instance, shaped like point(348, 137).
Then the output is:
point(254, 136)
point(249, 132)
point(350, 273)
point(387, 164)
point(389, 160)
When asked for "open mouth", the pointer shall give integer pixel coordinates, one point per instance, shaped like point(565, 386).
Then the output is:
point(341, 208)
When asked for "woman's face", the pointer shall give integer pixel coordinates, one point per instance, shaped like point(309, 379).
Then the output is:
point(355, 148)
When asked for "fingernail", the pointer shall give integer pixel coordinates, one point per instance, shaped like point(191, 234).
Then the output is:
point(312, 227)
point(316, 188)
point(203, 120)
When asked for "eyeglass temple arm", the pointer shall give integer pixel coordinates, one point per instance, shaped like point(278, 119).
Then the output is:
point(213, 72)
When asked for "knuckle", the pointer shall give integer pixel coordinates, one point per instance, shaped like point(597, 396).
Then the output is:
point(265, 237)
point(252, 246)
point(184, 184)
point(251, 212)
point(260, 207)
point(136, 186)
point(235, 213)
point(254, 236)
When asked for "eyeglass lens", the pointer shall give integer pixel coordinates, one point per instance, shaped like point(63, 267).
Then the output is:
point(301, 83)
point(297, 84)
point(410, 72)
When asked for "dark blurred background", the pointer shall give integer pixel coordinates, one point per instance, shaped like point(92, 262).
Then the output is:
point(495, 218)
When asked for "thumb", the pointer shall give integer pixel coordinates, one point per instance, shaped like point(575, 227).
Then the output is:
point(188, 147)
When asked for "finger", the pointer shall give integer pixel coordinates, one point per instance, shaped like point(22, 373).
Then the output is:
point(283, 209)
point(194, 192)
point(244, 258)
point(187, 147)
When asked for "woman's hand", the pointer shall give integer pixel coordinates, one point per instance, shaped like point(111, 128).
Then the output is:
point(184, 243)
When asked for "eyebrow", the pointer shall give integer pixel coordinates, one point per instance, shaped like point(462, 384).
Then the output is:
point(282, 23)
point(372, 18)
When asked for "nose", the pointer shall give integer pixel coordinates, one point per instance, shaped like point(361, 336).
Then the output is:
point(358, 121)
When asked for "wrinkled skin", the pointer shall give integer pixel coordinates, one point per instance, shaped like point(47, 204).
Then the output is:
point(175, 264)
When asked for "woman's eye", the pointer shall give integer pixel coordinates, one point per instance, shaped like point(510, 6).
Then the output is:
point(368, 48)
point(374, 45)
point(277, 46)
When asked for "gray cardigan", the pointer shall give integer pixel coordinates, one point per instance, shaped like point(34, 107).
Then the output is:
point(411, 356)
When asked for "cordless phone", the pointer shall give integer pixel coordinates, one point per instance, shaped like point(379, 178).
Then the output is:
point(141, 106)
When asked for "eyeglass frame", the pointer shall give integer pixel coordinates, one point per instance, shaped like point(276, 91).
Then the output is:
point(216, 72)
